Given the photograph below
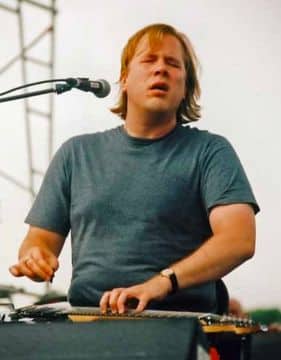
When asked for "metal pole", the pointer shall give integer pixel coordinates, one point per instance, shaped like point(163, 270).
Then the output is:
point(26, 117)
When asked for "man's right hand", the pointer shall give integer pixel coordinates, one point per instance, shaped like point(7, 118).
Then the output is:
point(38, 264)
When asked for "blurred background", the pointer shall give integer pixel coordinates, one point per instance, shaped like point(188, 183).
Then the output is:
point(238, 45)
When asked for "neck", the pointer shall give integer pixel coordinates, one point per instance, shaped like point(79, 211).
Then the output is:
point(149, 127)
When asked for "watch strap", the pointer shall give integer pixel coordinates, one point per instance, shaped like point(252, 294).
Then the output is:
point(169, 273)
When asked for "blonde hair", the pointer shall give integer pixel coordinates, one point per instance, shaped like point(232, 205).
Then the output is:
point(189, 109)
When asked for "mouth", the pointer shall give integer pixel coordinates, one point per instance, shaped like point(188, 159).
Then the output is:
point(160, 87)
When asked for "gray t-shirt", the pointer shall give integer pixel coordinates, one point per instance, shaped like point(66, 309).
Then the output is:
point(135, 206)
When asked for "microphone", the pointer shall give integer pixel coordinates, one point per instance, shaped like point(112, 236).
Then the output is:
point(100, 88)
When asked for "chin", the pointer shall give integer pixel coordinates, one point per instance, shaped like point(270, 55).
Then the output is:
point(158, 105)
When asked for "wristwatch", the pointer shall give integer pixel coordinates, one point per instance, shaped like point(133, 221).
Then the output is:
point(170, 274)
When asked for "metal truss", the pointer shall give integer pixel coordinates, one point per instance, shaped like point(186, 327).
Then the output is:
point(24, 59)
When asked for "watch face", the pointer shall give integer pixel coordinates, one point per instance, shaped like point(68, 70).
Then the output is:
point(167, 272)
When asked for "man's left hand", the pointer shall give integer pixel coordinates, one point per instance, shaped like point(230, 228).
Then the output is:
point(116, 300)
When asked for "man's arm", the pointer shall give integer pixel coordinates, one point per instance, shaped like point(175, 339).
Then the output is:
point(232, 243)
point(38, 255)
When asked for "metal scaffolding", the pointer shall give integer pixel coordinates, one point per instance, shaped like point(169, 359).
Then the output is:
point(24, 59)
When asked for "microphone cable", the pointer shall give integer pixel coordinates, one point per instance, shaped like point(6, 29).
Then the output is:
point(31, 84)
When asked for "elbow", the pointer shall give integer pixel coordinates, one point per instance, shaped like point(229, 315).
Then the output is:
point(249, 254)
point(248, 241)
point(249, 249)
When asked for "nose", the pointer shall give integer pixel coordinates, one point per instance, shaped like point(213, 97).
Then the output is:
point(160, 67)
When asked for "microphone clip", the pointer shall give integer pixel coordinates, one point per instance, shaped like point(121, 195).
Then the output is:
point(100, 88)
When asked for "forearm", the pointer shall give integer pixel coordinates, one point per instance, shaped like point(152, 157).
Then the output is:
point(42, 239)
point(219, 255)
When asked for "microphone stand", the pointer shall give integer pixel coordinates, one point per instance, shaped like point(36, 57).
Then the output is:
point(58, 89)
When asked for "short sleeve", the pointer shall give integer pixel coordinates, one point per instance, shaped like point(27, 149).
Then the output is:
point(51, 208)
point(223, 179)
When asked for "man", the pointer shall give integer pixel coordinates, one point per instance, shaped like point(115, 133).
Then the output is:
point(157, 211)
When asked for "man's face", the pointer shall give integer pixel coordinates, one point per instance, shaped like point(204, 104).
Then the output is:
point(155, 81)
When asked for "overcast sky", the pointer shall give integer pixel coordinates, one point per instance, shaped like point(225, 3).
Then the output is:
point(238, 44)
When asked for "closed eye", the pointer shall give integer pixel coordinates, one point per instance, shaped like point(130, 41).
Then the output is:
point(169, 61)
point(174, 63)
point(148, 59)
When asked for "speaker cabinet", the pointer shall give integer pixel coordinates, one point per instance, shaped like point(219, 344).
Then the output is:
point(153, 339)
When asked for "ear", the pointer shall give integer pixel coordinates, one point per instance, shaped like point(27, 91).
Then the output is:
point(123, 83)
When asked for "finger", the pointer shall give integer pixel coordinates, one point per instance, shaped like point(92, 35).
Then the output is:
point(32, 265)
point(54, 263)
point(104, 302)
point(50, 263)
point(42, 263)
point(14, 270)
point(113, 298)
point(121, 302)
point(141, 305)
point(21, 269)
